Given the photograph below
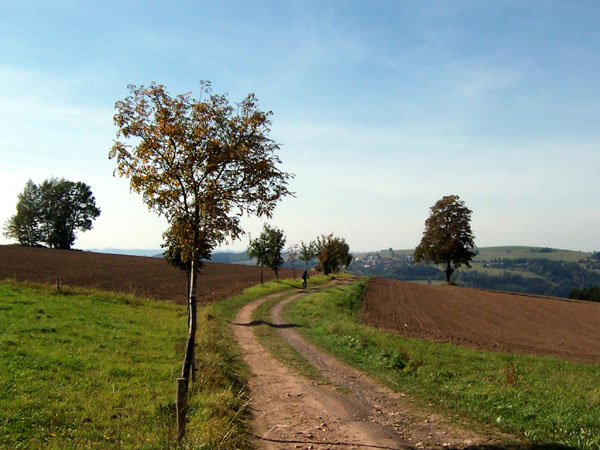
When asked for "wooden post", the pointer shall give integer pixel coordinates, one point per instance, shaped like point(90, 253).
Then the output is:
point(180, 405)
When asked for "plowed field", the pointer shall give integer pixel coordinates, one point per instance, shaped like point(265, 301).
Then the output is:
point(550, 326)
point(143, 276)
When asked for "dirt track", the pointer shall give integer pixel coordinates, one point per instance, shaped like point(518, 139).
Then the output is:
point(139, 275)
point(490, 320)
point(290, 412)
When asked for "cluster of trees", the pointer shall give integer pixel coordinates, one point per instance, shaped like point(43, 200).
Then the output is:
point(51, 213)
point(332, 252)
point(267, 248)
point(590, 294)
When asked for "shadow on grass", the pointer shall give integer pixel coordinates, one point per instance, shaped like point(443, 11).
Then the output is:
point(255, 323)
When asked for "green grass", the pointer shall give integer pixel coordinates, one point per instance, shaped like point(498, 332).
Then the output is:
point(90, 369)
point(516, 251)
point(86, 369)
point(544, 400)
point(478, 267)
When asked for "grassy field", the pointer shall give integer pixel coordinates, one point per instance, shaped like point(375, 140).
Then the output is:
point(97, 370)
point(86, 369)
point(545, 400)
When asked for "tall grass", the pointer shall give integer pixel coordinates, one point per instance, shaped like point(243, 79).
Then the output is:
point(545, 400)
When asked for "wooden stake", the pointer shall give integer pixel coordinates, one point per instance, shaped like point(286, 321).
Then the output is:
point(180, 405)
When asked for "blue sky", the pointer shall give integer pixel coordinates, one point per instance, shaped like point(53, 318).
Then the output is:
point(380, 107)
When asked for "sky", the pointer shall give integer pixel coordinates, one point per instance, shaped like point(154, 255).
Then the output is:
point(381, 108)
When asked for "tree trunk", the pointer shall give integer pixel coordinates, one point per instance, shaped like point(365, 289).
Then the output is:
point(188, 361)
point(448, 271)
point(261, 274)
point(189, 350)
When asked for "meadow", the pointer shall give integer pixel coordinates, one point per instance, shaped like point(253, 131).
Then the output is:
point(94, 369)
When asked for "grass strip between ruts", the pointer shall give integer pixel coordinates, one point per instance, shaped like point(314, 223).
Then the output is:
point(270, 338)
point(546, 400)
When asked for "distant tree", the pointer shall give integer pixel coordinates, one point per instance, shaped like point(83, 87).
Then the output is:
point(333, 253)
point(307, 252)
point(52, 213)
point(24, 226)
point(66, 207)
point(292, 256)
point(447, 239)
point(202, 164)
point(266, 249)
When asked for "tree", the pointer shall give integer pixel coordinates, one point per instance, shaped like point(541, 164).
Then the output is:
point(202, 164)
point(24, 226)
point(267, 248)
point(292, 255)
point(333, 253)
point(447, 239)
point(52, 213)
point(66, 207)
point(307, 252)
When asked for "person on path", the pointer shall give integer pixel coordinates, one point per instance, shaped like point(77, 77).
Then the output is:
point(304, 279)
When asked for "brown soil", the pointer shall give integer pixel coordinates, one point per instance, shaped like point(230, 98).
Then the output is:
point(485, 319)
point(288, 411)
point(139, 275)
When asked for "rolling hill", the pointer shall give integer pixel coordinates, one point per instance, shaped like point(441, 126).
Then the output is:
point(533, 270)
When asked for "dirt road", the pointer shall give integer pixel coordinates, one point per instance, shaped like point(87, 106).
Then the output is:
point(353, 412)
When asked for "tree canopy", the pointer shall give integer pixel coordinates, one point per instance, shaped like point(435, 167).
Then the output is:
point(202, 164)
point(266, 248)
point(307, 252)
point(52, 213)
point(447, 239)
point(333, 253)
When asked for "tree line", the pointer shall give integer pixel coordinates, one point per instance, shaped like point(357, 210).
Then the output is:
point(332, 252)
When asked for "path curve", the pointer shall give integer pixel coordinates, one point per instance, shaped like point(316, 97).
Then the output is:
point(288, 411)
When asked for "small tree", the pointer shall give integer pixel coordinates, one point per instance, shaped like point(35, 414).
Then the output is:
point(52, 213)
point(202, 164)
point(292, 255)
point(333, 253)
point(307, 252)
point(447, 239)
point(266, 249)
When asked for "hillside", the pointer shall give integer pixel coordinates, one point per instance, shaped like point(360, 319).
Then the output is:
point(482, 319)
point(142, 276)
point(533, 270)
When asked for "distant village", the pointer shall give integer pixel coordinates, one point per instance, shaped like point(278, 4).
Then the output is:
point(389, 259)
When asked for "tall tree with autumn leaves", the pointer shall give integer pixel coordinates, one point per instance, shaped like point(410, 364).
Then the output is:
point(202, 164)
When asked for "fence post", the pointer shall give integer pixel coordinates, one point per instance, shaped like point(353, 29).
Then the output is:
point(180, 405)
